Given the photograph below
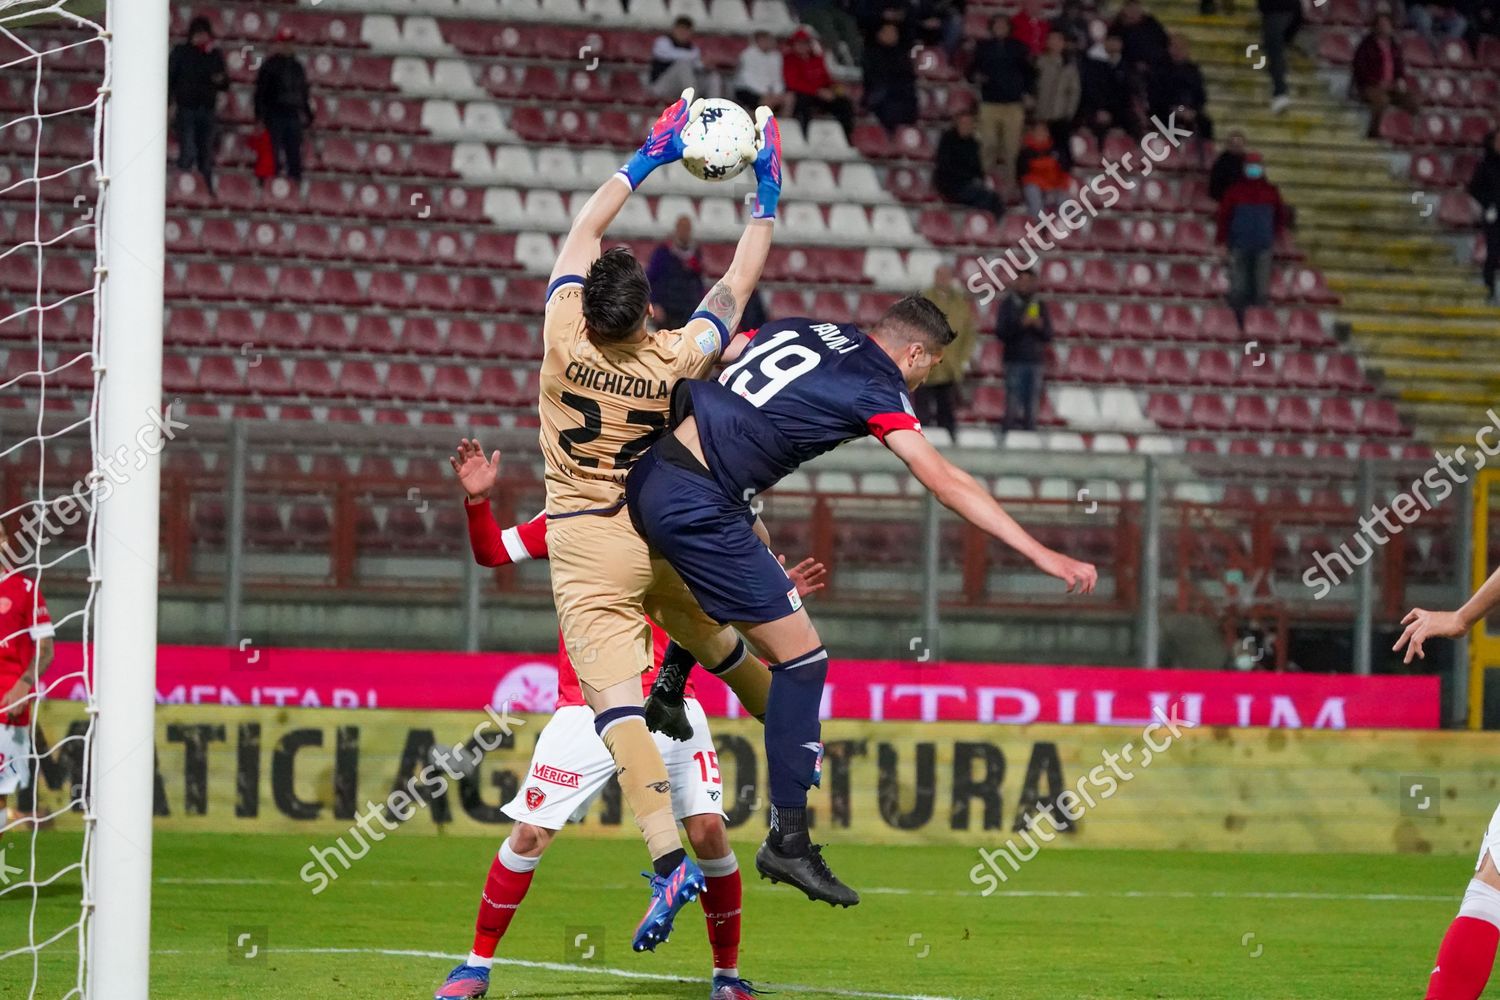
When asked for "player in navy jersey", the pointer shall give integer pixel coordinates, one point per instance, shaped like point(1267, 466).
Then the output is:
point(801, 388)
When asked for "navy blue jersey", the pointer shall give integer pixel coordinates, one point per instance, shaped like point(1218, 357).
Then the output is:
point(801, 388)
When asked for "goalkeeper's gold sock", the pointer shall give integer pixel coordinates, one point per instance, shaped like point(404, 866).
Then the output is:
point(748, 677)
point(643, 779)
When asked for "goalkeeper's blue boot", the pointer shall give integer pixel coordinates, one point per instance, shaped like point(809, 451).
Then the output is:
point(465, 981)
point(668, 895)
point(727, 988)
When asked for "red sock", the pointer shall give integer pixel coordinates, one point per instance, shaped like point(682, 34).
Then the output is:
point(510, 877)
point(1464, 960)
point(721, 906)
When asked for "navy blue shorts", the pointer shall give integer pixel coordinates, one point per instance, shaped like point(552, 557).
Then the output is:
point(708, 538)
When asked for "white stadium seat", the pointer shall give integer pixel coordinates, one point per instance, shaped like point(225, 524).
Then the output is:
point(858, 182)
point(485, 121)
point(455, 78)
point(813, 180)
point(558, 167)
point(849, 224)
point(878, 483)
point(1112, 443)
point(1023, 441)
point(772, 16)
point(422, 34)
point(380, 32)
point(1121, 409)
point(566, 11)
point(695, 9)
point(503, 207)
point(535, 252)
point(891, 225)
point(1155, 444)
point(411, 74)
point(719, 219)
point(520, 10)
point(1013, 488)
point(1054, 488)
point(651, 14)
point(473, 161)
point(1064, 441)
point(805, 223)
point(441, 119)
point(826, 141)
point(732, 17)
point(605, 12)
point(883, 266)
point(919, 267)
point(515, 165)
point(1075, 405)
point(672, 207)
point(545, 210)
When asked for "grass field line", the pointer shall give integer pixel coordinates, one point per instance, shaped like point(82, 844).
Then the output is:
point(1371, 897)
point(593, 970)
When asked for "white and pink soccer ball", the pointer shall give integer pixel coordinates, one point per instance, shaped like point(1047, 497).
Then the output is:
point(719, 141)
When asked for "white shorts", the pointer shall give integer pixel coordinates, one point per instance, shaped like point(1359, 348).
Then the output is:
point(15, 758)
point(571, 766)
point(1491, 843)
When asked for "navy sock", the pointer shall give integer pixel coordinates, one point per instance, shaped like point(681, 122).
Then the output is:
point(794, 748)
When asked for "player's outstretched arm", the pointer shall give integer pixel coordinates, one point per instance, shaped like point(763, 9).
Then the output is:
point(962, 494)
point(492, 546)
point(663, 145)
point(1422, 624)
point(726, 300)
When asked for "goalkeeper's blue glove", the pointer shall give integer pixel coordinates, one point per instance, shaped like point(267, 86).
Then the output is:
point(767, 165)
point(664, 143)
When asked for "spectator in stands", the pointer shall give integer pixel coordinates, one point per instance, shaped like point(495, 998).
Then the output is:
point(1484, 186)
point(1024, 329)
point(1436, 19)
point(1002, 69)
point(677, 63)
point(890, 78)
point(283, 103)
point(834, 22)
point(1058, 91)
point(1074, 25)
point(1278, 19)
point(1379, 72)
point(675, 272)
point(1486, 17)
point(1039, 168)
point(1029, 27)
point(1145, 40)
point(196, 76)
point(813, 90)
point(939, 23)
point(1176, 85)
point(1228, 167)
point(937, 401)
point(759, 78)
point(958, 172)
point(1251, 217)
point(1108, 92)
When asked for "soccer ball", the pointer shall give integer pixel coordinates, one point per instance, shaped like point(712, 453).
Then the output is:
point(720, 141)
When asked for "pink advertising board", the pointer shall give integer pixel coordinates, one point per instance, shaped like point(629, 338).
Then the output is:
point(857, 689)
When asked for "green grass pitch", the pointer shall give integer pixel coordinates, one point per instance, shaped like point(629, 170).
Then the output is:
point(1072, 924)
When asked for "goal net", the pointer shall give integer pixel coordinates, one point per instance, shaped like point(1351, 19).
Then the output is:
point(73, 496)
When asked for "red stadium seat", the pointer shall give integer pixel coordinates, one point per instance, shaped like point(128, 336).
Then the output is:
point(1380, 417)
point(296, 284)
point(1186, 280)
point(279, 330)
point(1252, 415)
point(1336, 416)
point(375, 334)
point(406, 381)
point(1165, 409)
point(1300, 371)
point(1396, 126)
point(1210, 412)
point(1135, 322)
point(467, 338)
point(1129, 365)
point(360, 380)
point(420, 335)
point(217, 374)
point(1218, 324)
point(496, 250)
point(434, 290)
point(1342, 372)
point(267, 377)
point(404, 245)
point(339, 287)
point(1085, 364)
point(937, 226)
point(872, 141)
point(1172, 367)
point(1178, 323)
point(388, 289)
point(1216, 368)
point(1294, 415)
point(1091, 319)
point(1099, 277)
point(453, 384)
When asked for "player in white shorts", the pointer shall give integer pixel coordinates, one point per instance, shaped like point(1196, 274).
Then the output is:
point(571, 766)
point(1467, 955)
point(25, 652)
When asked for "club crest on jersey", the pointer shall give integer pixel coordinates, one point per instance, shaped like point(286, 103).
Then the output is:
point(534, 798)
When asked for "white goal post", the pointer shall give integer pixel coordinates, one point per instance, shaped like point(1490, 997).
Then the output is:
point(131, 249)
